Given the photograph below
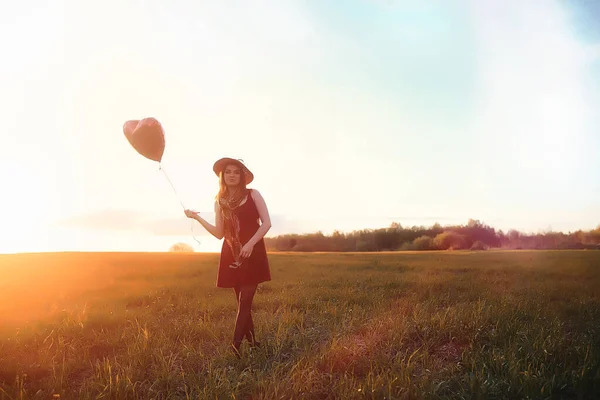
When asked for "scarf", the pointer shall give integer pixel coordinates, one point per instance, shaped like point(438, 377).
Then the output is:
point(231, 224)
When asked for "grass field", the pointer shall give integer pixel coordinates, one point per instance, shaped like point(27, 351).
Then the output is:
point(440, 325)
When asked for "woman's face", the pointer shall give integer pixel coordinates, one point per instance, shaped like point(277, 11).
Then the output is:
point(232, 175)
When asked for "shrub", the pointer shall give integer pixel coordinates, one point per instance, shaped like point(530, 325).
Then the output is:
point(449, 240)
point(181, 248)
point(407, 246)
point(423, 243)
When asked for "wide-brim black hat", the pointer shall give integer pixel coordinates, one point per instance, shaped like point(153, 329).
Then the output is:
point(225, 161)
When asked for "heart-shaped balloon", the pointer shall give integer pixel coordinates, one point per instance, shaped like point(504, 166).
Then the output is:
point(146, 136)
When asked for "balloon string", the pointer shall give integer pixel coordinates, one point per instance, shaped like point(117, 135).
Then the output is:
point(171, 183)
point(160, 167)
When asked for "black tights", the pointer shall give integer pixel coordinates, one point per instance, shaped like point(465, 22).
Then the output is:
point(244, 327)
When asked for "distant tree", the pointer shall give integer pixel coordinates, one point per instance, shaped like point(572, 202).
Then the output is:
point(362, 245)
point(301, 247)
point(474, 223)
point(423, 243)
point(395, 226)
point(449, 240)
point(594, 235)
point(407, 246)
point(514, 238)
point(385, 239)
point(502, 239)
point(579, 236)
point(474, 234)
point(339, 242)
point(292, 243)
point(181, 248)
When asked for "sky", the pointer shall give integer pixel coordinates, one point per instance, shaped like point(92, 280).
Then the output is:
point(351, 115)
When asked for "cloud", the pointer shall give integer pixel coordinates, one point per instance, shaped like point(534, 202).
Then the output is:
point(130, 221)
point(111, 220)
point(532, 120)
point(177, 227)
point(280, 224)
point(108, 219)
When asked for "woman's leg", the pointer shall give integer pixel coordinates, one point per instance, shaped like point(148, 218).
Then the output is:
point(244, 326)
point(250, 324)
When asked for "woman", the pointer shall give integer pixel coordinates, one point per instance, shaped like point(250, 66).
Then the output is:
point(243, 263)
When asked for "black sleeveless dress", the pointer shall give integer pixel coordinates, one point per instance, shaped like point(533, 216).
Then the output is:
point(253, 270)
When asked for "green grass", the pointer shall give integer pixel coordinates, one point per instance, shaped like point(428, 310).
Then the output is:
point(439, 325)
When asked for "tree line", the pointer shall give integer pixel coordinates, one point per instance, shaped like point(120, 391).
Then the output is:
point(474, 235)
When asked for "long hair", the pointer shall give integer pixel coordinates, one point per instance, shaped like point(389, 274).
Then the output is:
point(223, 188)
